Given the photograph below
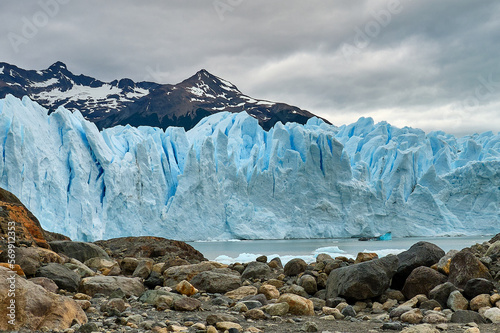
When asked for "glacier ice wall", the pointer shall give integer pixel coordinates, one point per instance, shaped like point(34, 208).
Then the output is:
point(228, 178)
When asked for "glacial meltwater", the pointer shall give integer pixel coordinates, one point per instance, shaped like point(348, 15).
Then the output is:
point(248, 250)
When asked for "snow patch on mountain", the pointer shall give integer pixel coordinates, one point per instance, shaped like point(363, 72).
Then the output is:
point(227, 178)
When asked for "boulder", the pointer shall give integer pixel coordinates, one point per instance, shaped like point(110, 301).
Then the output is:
point(295, 267)
point(251, 304)
point(443, 265)
point(323, 257)
point(14, 267)
point(155, 296)
point(256, 270)
point(480, 301)
point(114, 306)
point(35, 307)
point(434, 317)
point(494, 249)
point(364, 256)
point(430, 305)
point(270, 291)
point(154, 280)
point(309, 284)
point(216, 281)
point(294, 289)
point(32, 258)
point(464, 266)
point(81, 251)
point(421, 281)
point(105, 266)
point(456, 301)
point(64, 277)
point(143, 269)
point(467, 316)
point(493, 314)
point(333, 264)
point(255, 314)
point(441, 293)
point(275, 263)
point(186, 288)
point(228, 326)
point(241, 292)
point(46, 283)
point(108, 284)
point(157, 248)
point(187, 304)
point(262, 259)
point(79, 268)
point(259, 298)
point(419, 254)
point(414, 316)
point(361, 281)
point(348, 311)
point(176, 274)
point(277, 309)
point(297, 305)
point(478, 286)
point(128, 265)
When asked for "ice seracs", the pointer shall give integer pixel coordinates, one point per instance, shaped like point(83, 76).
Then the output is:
point(227, 178)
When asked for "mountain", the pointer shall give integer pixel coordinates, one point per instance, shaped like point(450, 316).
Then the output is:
point(57, 86)
point(228, 178)
point(141, 103)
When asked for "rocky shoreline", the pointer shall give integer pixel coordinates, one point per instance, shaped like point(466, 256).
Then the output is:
point(140, 284)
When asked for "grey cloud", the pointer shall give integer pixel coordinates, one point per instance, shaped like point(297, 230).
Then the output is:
point(428, 59)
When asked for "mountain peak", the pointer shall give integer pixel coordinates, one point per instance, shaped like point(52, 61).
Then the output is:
point(124, 101)
point(203, 71)
point(58, 65)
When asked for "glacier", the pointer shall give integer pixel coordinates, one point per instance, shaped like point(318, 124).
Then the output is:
point(227, 178)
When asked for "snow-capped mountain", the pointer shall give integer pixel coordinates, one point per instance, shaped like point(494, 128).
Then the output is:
point(141, 103)
point(57, 86)
point(228, 178)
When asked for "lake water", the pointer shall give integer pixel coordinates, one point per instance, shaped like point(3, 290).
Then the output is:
point(248, 250)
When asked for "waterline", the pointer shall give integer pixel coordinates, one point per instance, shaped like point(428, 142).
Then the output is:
point(248, 250)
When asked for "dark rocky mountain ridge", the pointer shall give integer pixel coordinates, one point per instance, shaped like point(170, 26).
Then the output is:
point(124, 101)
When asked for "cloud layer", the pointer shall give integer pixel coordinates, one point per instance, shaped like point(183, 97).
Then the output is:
point(427, 64)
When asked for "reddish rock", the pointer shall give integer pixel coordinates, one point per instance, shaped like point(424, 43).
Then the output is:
point(362, 257)
point(15, 268)
point(27, 229)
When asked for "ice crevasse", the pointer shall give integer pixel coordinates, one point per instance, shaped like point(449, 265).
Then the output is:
point(227, 178)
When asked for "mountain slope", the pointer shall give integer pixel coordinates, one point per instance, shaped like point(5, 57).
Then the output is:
point(227, 178)
point(203, 94)
point(57, 86)
point(141, 103)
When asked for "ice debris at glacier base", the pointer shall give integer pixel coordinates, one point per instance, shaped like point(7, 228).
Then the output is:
point(227, 178)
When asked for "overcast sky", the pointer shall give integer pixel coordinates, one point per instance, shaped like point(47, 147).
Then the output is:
point(434, 65)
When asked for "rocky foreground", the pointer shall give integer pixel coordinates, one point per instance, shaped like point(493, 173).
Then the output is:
point(140, 284)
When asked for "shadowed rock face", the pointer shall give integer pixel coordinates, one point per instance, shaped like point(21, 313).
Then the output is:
point(420, 254)
point(150, 247)
point(27, 228)
point(362, 281)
